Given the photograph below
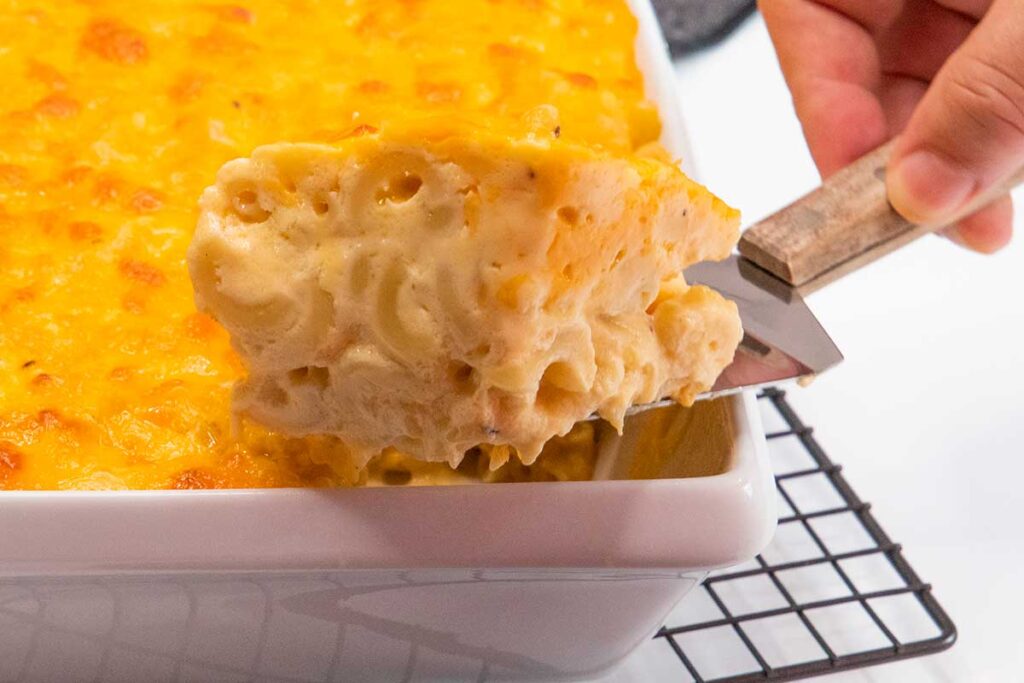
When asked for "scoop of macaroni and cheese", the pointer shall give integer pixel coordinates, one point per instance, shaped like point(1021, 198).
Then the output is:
point(431, 290)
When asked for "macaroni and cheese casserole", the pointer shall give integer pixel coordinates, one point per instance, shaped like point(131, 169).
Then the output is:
point(117, 114)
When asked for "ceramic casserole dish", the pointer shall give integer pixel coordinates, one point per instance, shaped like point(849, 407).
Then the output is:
point(477, 582)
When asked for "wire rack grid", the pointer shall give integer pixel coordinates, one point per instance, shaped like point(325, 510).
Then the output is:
point(833, 592)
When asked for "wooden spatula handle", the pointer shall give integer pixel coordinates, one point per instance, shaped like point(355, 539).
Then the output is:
point(843, 225)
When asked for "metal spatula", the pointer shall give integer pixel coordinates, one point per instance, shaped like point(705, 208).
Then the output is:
point(844, 224)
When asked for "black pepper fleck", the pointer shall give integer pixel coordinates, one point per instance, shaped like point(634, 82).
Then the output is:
point(558, 131)
point(236, 104)
point(28, 364)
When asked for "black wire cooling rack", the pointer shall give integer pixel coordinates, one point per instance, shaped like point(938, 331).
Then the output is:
point(832, 592)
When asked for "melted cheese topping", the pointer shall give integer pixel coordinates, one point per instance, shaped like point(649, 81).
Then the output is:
point(117, 114)
point(436, 287)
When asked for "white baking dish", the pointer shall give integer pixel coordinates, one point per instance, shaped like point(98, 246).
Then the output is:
point(520, 581)
point(537, 580)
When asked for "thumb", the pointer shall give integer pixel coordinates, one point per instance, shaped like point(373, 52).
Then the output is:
point(967, 133)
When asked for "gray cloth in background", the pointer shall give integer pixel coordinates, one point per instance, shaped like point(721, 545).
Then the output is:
point(693, 24)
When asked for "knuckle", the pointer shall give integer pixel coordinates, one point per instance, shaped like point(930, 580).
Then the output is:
point(991, 94)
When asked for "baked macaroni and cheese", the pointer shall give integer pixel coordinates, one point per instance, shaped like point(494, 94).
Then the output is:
point(441, 286)
point(118, 114)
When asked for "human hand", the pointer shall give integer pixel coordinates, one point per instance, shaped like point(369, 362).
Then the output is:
point(946, 75)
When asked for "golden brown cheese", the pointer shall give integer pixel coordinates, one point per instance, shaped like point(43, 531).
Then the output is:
point(115, 116)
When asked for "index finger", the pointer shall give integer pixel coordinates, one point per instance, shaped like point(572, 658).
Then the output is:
point(828, 54)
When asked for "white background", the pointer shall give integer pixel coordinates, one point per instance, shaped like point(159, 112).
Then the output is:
point(925, 413)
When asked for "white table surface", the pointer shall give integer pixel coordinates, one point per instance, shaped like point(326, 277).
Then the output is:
point(925, 413)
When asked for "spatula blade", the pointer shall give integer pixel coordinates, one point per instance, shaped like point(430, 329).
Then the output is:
point(781, 337)
point(782, 340)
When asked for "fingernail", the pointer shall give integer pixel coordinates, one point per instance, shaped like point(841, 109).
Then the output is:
point(927, 188)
